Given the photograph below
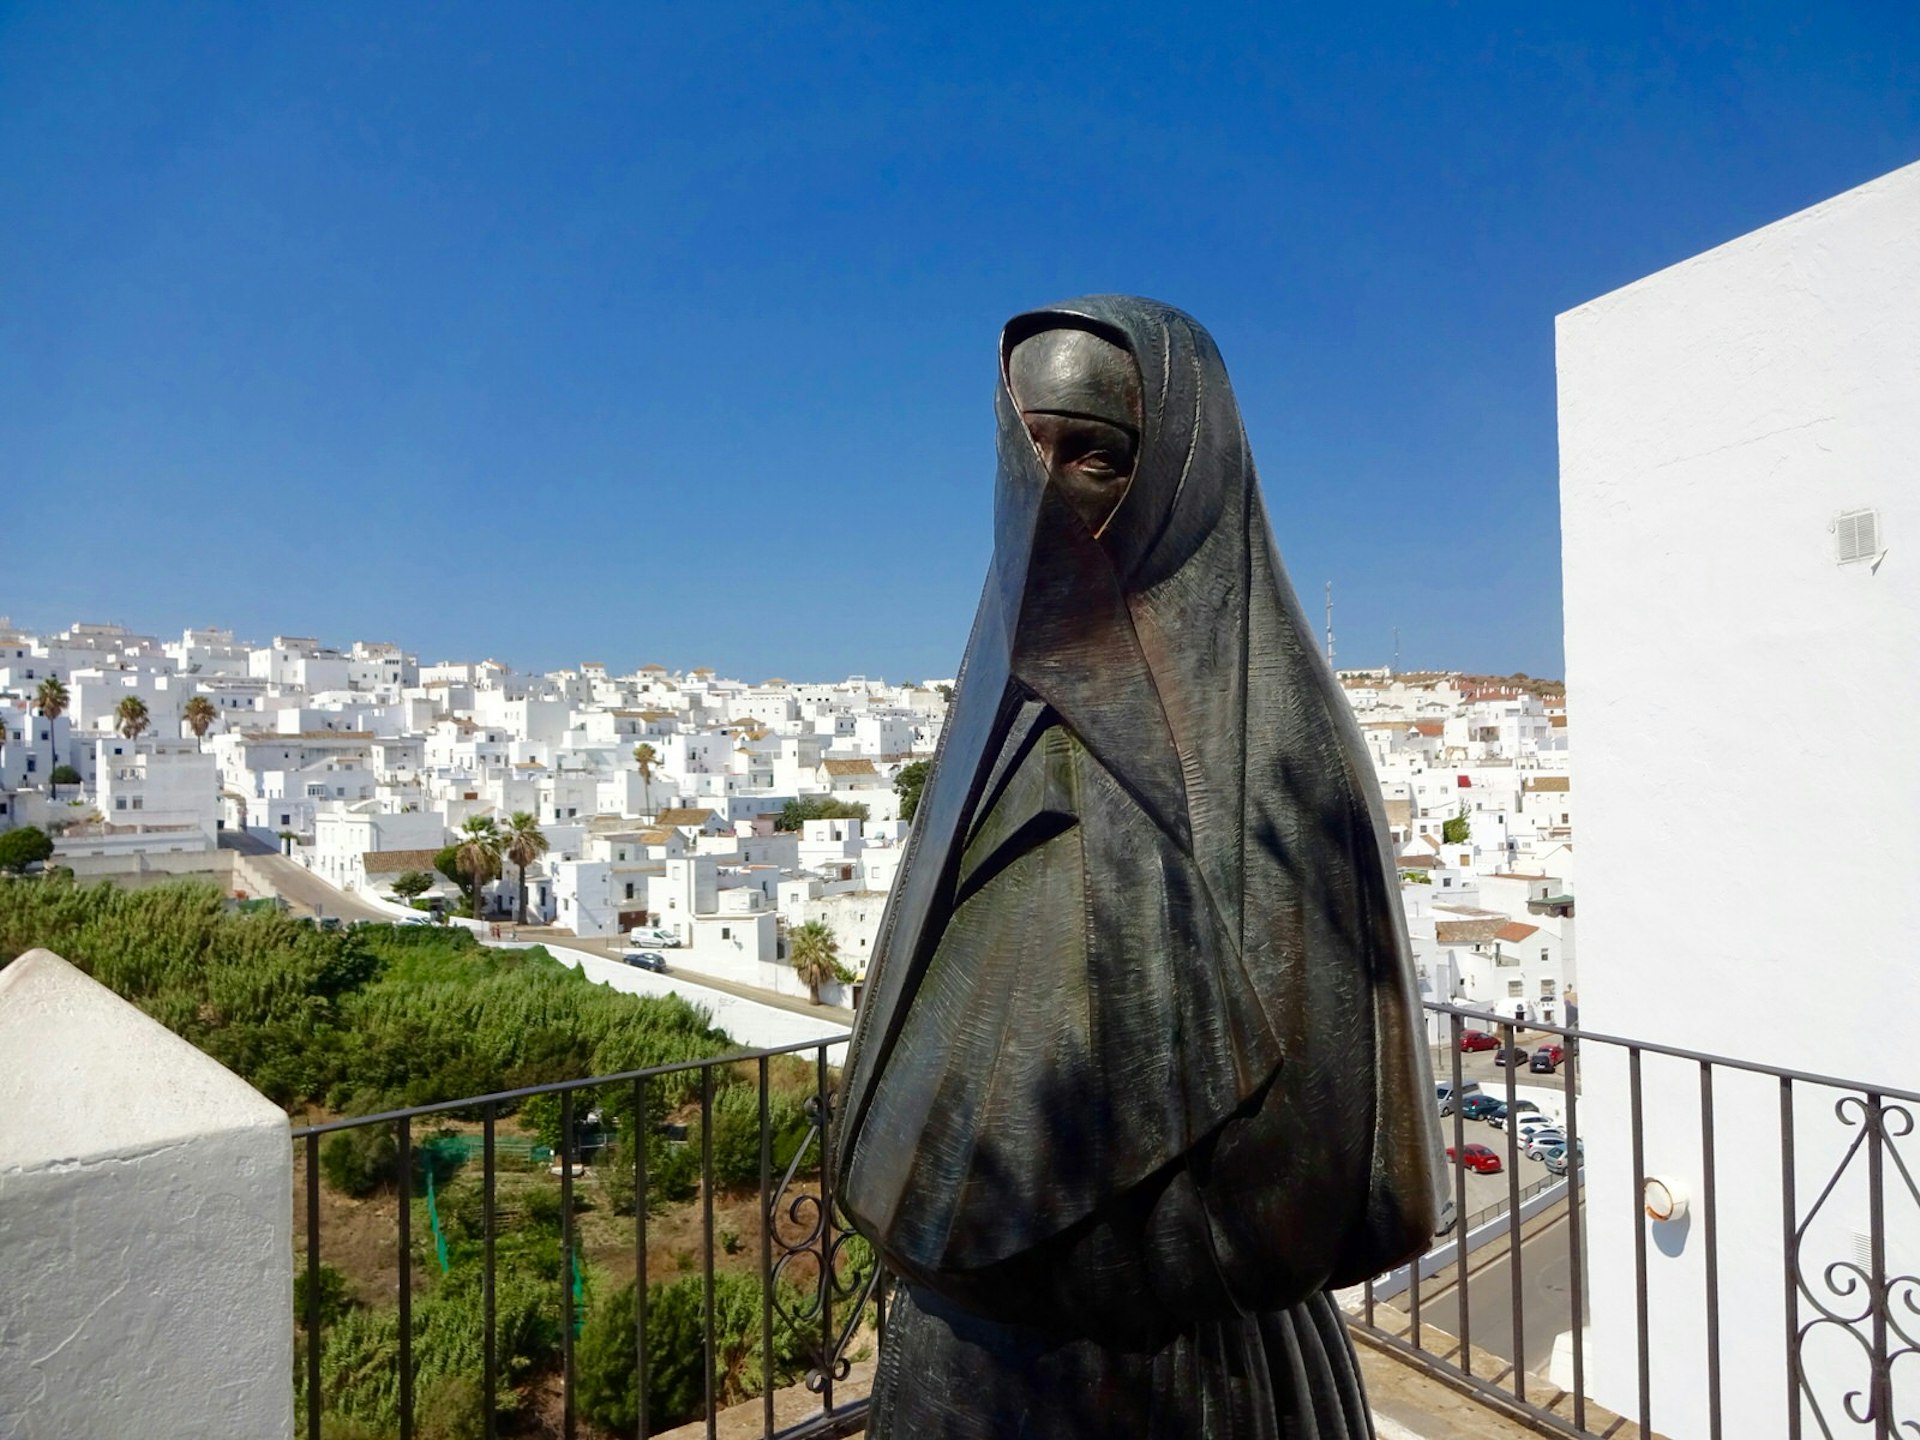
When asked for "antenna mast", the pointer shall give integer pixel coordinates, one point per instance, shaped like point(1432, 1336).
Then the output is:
point(1329, 624)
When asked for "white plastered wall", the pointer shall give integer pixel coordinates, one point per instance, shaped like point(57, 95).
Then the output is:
point(145, 1225)
point(1714, 419)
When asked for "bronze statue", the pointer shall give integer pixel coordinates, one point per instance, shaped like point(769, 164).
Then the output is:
point(1138, 1076)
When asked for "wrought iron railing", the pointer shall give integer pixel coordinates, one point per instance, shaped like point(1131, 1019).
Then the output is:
point(816, 1286)
point(822, 1291)
point(1858, 1299)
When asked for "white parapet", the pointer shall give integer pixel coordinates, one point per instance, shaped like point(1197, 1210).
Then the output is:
point(146, 1258)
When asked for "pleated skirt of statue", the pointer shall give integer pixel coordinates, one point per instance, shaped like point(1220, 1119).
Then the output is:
point(1285, 1375)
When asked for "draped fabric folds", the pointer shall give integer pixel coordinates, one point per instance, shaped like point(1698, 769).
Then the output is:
point(1138, 1073)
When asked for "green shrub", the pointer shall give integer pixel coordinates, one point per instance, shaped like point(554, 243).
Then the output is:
point(373, 1018)
point(676, 1351)
point(360, 1161)
point(336, 1298)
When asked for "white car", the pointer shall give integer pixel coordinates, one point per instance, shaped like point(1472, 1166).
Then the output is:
point(1534, 1120)
point(1543, 1140)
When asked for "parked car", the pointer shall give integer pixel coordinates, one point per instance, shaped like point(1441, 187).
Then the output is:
point(1547, 1058)
point(1521, 1109)
point(1479, 1158)
point(1533, 1126)
point(1477, 1040)
point(1554, 1157)
point(1545, 1139)
point(1443, 1092)
point(653, 935)
point(1478, 1107)
point(1510, 1055)
point(645, 960)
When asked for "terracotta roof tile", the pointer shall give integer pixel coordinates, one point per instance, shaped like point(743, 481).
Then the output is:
point(397, 862)
point(684, 816)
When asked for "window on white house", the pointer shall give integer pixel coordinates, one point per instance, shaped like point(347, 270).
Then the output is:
point(1547, 987)
point(726, 933)
point(1543, 954)
point(1513, 989)
point(119, 802)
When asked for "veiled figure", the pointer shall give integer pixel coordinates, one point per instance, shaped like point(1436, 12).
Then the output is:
point(1138, 1076)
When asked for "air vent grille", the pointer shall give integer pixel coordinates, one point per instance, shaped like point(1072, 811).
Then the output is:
point(1856, 536)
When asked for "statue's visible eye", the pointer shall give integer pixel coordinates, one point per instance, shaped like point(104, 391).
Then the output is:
point(1090, 460)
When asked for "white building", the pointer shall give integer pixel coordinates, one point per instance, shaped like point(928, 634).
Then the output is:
point(1738, 443)
point(344, 835)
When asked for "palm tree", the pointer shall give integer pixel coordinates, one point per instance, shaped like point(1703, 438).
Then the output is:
point(199, 715)
point(648, 759)
point(522, 843)
point(815, 955)
point(477, 856)
point(51, 700)
point(131, 713)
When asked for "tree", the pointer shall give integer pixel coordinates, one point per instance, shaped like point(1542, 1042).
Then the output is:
point(522, 843)
point(818, 807)
point(412, 884)
point(23, 847)
point(62, 775)
point(908, 784)
point(478, 854)
point(50, 699)
point(132, 717)
point(648, 761)
point(199, 715)
point(815, 955)
point(1456, 830)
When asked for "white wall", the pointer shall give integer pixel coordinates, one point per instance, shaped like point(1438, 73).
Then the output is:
point(1714, 418)
point(145, 1225)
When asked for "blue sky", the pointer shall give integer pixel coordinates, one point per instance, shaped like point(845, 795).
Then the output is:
point(666, 332)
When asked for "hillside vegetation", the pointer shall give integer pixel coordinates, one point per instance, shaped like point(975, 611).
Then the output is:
point(354, 1020)
point(357, 1021)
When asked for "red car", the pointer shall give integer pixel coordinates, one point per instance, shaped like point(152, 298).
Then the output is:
point(1479, 1158)
point(1477, 1040)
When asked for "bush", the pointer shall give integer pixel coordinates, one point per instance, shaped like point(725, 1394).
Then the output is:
point(360, 1355)
point(360, 1161)
point(676, 1351)
point(372, 1018)
point(23, 847)
point(796, 813)
point(336, 1298)
point(736, 1134)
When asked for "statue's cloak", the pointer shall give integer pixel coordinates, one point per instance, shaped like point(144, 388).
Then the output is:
point(1140, 1041)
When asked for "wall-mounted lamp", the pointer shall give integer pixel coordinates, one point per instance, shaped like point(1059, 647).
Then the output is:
point(1663, 1199)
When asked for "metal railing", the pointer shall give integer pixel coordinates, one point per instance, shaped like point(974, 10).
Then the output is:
point(815, 1290)
point(1849, 1305)
point(821, 1292)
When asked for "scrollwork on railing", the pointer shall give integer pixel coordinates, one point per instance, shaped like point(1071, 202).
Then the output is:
point(1855, 1303)
point(821, 1259)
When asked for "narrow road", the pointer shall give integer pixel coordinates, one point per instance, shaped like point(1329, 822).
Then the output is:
point(1546, 1296)
point(307, 893)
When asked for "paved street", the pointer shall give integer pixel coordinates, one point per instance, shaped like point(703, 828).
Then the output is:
point(1545, 1292)
point(307, 894)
